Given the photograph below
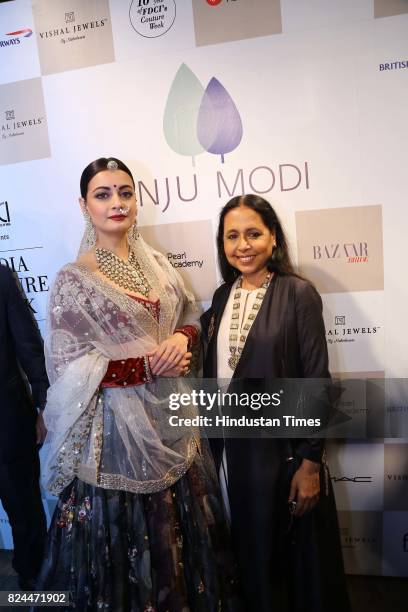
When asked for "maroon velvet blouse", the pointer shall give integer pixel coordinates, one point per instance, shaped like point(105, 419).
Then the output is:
point(136, 370)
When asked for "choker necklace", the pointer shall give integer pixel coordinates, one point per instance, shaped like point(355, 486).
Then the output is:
point(237, 340)
point(127, 274)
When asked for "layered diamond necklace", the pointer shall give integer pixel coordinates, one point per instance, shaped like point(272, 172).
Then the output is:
point(127, 274)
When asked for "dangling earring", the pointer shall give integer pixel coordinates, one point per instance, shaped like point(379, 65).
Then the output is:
point(133, 233)
point(89, 238)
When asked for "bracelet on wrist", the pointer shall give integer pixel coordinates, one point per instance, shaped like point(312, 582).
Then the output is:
point(147, 369)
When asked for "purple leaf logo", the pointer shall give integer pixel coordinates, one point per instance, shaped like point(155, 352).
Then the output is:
point(219, 125)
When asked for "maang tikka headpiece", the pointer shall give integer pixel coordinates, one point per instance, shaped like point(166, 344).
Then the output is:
point(112, 165)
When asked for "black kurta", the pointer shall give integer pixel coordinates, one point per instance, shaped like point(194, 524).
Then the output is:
point(302, 571)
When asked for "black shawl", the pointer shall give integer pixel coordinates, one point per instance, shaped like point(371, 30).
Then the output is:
point(280, 571)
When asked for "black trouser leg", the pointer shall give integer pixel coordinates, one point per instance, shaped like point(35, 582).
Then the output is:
point(21, 499)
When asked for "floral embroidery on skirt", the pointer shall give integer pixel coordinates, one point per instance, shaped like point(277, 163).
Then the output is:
point(123, 552)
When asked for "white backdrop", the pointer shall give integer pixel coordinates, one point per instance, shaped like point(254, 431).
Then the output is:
point(305, 101)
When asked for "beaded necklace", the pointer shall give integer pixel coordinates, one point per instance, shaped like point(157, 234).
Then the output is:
point(237, 340)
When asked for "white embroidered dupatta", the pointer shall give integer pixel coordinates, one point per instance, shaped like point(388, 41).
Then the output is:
point(116, 438)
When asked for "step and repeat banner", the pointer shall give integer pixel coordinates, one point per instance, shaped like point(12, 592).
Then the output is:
point(302, 102)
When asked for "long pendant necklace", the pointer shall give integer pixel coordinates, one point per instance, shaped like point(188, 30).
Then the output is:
point(127, 274)
point(237, 339)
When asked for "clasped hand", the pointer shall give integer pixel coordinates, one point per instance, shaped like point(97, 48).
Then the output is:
point(170, 358)
point(305, 487)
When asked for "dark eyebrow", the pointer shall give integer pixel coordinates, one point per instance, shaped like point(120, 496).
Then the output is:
point(107, 188)
point(250, 229)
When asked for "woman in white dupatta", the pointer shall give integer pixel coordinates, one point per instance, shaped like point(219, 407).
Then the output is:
point(139, 523)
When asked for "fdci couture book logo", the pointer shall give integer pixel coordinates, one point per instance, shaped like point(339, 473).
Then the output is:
point(15, 37)
point(152, 18)
point(197, 119)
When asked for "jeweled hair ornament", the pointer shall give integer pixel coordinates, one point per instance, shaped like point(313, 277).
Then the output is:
point(112, 165)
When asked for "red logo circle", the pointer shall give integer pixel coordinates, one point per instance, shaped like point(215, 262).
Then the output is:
point(214, 2)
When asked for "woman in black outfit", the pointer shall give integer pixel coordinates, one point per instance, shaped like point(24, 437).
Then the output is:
point(266, 322)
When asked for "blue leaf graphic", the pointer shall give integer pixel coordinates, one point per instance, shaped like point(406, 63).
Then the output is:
point(219, 126)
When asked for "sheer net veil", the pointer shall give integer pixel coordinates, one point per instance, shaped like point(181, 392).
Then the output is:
point(113, 438)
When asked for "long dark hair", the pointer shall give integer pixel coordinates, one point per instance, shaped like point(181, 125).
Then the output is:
point(280, 261)
point(99, 165)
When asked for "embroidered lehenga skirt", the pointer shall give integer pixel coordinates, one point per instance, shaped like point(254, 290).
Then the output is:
point(166, 552)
